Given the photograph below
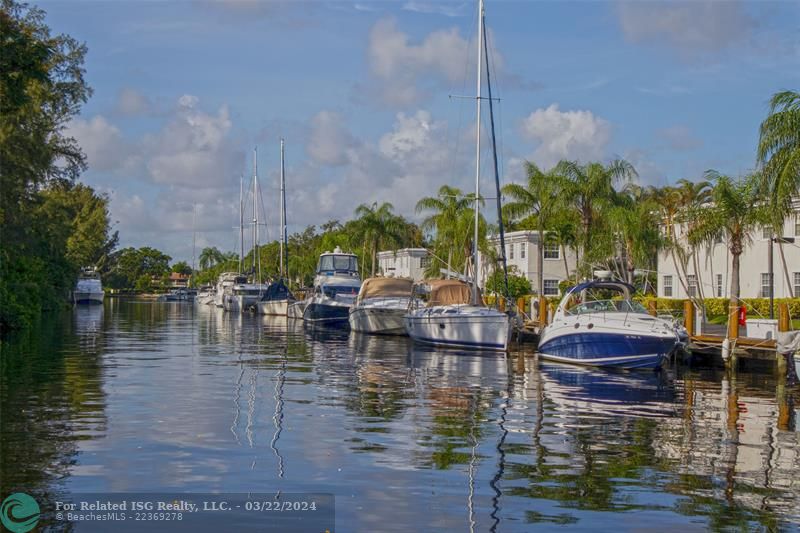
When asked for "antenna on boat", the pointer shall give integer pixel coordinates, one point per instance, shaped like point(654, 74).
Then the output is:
point(241, 222)
point(477, 159)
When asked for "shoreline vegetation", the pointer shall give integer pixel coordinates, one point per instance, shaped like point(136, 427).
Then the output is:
point(51, 225)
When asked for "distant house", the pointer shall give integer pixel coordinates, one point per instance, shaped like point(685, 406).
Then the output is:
point(178, 280)
point(522, 248)
point(711, 278)
point(404, 263)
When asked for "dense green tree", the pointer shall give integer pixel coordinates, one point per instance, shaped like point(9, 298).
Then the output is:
point(130, 265)
point(182, 267)
point(539, 201)
point(779, 151)
point(517, 285)
point(379, 228)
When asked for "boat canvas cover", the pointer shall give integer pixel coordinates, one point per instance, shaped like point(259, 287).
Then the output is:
point(385, 287)
point(450, 292)
point(277, 291)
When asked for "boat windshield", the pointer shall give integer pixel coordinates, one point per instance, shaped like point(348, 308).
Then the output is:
point(331, 262)
point(333, 292)
point(606, 306)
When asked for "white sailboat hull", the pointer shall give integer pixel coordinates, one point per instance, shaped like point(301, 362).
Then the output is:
point(385, 321)
point(460, 326)
point(296, 310)
point(273, 307)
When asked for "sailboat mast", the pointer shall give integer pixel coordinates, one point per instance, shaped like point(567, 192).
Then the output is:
point(283, 212)
point(255, 207)
point(241, 223)
point(477, 158)
point(194, 238)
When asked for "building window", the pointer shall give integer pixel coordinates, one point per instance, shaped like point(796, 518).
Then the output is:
point(424, 262)
point(765, 285)
point(551, 251)
point(797, 225)
point(511, 251)
point(667, 286)
point(719, 285)
point(766, 232)
point(550, 287)
point(522, 247)
point(691, 285)
point(797, 284)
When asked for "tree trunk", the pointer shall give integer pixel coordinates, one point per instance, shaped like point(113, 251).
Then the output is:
point(540, 262)
point(449, 261)
point(374, 254)
point(735, 277)
point(566, 266)
point(786, 271)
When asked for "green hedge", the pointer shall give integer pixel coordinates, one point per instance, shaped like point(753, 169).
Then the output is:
point(719, 306)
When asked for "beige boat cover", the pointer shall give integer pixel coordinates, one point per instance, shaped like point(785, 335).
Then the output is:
point(450, 292)
point(385, 287)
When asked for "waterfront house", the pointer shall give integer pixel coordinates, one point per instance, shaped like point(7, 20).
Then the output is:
point(404, 263)
point(522, 248)
point(709, 275)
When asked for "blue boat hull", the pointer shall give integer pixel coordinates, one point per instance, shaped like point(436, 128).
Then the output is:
point(327, 314)
point(609, 350)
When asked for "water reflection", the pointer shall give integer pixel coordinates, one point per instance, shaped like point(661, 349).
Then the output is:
point(148, 396)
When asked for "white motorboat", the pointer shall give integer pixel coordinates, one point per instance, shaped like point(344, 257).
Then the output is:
point(295, 310)
point(381, 305)
point(88, 288)
point(336, 286)
point(598, 324)
point(275, 300)
point(205, 296)
point(451, 318)
point(225, 281)
point(455, 315)
point(242, 297)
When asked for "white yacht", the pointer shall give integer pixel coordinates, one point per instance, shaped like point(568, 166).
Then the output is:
point(598, 324)
point(336, 286)
point(455, 314)
point(205, 296)
point(225, 281)
point(243, 296)
point(88, 289)
point(381, 305)
point(452, 318)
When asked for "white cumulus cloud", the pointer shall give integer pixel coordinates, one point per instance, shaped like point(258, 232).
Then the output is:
point(560, 135)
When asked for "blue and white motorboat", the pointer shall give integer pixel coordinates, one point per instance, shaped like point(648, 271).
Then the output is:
point(597, 323)
point(336, 286)
point(89, 288)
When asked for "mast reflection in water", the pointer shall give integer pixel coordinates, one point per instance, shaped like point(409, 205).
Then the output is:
point(146, 396)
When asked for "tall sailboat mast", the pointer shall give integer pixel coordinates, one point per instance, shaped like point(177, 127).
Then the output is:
point(283, 243)
point(255, 209)
point(241, 223)
point(477, 158)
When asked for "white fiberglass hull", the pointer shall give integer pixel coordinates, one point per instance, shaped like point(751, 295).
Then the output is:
point(295, 310)
point(273, 307)
point(385, 321)
point(460, 326)
point(88, 297)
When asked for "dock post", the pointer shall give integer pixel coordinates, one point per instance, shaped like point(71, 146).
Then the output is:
point(688, 317)
point(733, 335)
point(521, 305)
point(652, 307)
point(542, 311)
point(783, 317)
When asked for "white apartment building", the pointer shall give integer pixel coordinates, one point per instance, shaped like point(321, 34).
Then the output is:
point(714, 265)
point(521, 253)
point(404, 263)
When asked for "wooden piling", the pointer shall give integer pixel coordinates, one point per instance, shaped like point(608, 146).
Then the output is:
point(733, 321)
point(652, 307)
point(521, 305)
point(542, 311)
point(688, 317)
point(783, 317)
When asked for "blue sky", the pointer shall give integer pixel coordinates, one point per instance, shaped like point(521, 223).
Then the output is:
point(183, 92)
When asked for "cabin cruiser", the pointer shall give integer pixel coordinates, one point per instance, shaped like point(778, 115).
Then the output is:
point(243, 296)
point(336, 286)
point(381, 305)
point(224, 281)
point(451, 317)
point(88, 289)
point(205, 296)
point(177, 295)
point(275, 300)
point(597, 323)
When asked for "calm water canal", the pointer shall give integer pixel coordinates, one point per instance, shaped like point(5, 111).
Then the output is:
point(154, 397)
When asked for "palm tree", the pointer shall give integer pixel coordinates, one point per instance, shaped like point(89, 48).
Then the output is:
point(378, 227)
point(210, 256)
point(634, 221)
point(735, 211)
point(541, 199)
point(692, 195)
point(779, 151)
point(452, 220)
point(589, 188)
